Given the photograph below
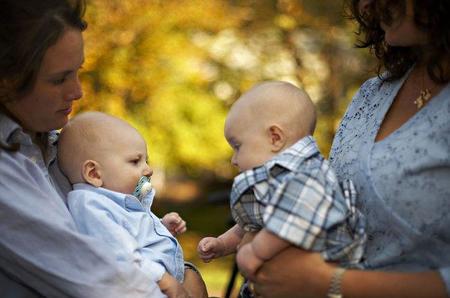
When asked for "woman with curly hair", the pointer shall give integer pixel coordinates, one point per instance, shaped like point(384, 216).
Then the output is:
point(394, 143)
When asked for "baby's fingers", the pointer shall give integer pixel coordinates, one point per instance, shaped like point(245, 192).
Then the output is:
point(181, 227)
point(205, 245)
point(206, 256)
point(208, 246)
point(174, 217)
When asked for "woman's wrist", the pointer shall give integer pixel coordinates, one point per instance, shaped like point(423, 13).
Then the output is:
point(335, 287)
point(357, 283)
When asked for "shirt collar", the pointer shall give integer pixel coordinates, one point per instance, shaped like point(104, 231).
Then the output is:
point(292, 157)
point(12, 132)
point(126, 201)
point(52, 142)
point(289, 159)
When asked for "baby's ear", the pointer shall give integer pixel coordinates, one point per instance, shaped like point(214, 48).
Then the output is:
point(91, 173)
point(277, 138)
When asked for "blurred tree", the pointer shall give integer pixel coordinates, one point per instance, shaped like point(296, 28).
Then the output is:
point(173, 67)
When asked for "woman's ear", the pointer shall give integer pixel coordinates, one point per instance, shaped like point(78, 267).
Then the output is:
point(277, 138)
point(91, 173)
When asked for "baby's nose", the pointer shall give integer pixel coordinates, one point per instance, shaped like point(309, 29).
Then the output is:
point(147, 171)
point(234, 160)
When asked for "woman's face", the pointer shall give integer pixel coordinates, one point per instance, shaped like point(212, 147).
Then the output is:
point(403, 32)
point(49, 103)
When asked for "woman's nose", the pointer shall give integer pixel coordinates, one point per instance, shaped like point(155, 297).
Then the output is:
point(76, 91)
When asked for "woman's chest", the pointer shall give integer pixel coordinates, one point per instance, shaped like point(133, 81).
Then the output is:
point(406, 175)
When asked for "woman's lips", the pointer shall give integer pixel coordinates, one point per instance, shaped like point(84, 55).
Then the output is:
point(66, 111)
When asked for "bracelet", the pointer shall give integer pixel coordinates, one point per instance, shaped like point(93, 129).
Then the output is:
point(335, 284)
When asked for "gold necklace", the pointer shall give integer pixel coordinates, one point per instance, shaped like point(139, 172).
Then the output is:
point(425, 94)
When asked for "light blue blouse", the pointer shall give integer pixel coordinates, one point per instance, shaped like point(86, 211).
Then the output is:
point(129, 228)
point(403, 180)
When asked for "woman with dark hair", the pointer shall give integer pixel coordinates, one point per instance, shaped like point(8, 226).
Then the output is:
point(394, 143)
point(41, 252)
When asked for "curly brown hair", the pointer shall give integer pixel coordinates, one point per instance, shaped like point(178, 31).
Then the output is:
point(433, 17)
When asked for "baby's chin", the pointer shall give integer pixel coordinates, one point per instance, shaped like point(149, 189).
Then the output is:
point(124, 190)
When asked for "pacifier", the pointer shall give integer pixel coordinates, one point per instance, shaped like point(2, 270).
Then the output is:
point(143, 187)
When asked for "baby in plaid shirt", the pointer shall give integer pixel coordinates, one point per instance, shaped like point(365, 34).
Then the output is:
point(286, 192)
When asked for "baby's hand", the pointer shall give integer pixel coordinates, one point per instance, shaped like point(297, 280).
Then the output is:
point(210, 248)
point(174, 223)
point(247, 261)
point(171, 287)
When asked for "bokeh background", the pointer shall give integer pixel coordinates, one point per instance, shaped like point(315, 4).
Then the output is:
point(172, 68)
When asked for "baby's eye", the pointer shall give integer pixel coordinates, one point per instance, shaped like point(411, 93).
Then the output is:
point(236, 147)
point(135, 161)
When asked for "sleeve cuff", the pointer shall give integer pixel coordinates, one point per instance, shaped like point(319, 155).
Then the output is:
point(155, 270)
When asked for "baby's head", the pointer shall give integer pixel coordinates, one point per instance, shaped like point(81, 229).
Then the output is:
point(267, 119)
point(103, 151)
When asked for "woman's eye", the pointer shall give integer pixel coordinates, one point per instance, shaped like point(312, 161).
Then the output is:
point(59, 81)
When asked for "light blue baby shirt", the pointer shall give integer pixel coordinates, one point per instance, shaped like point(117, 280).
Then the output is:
point(40, 246)
point(128, 227)
point(403, 181)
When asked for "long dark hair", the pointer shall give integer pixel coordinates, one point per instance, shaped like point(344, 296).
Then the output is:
point(27, 29)
point(433, 17)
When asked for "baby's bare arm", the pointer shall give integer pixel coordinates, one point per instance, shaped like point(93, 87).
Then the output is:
point(266, 244)
point(261, 248)
point(210, 247)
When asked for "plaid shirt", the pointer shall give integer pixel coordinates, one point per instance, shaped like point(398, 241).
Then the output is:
point(296, 196)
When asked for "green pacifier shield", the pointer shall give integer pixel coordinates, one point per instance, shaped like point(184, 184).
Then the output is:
point(142, 181)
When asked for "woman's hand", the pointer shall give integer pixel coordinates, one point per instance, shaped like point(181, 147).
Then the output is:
point(298, 273)
point(293, 273)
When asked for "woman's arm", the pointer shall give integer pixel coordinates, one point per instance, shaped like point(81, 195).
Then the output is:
point(295, 272)
point(393, 284)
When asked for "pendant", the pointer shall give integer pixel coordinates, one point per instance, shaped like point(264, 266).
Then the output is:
point(424, 96)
